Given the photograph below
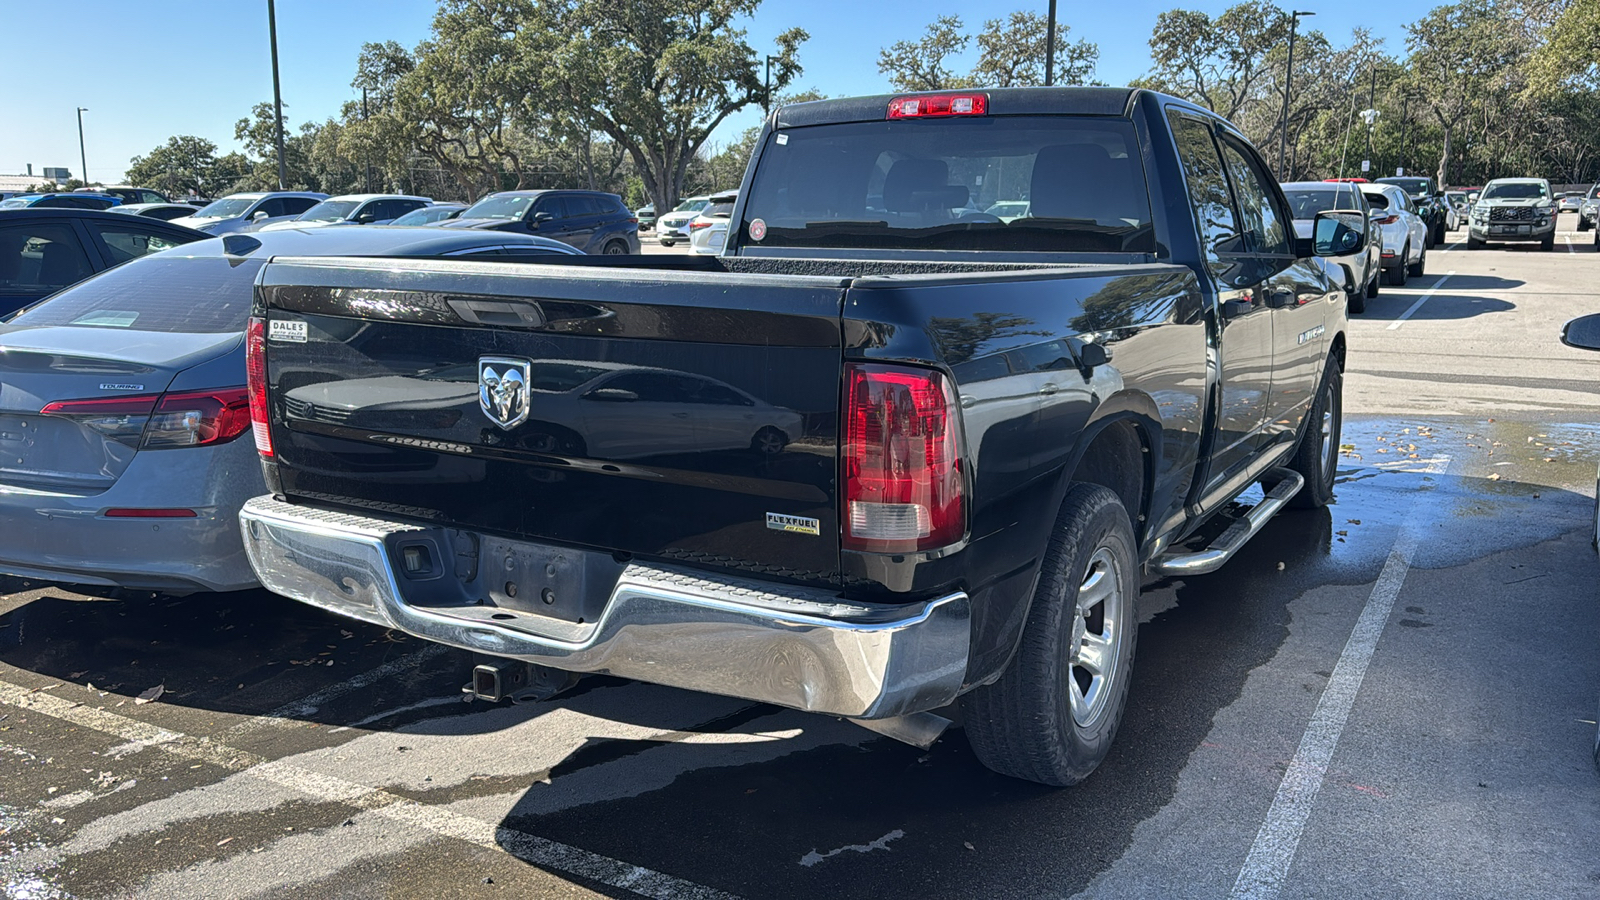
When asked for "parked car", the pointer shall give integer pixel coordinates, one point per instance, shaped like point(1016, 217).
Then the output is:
point(646, 215)
point(1426, 202)
point(130, 195)
point(73, 200)
point(674, 226)
point(1008, 210)
point(1588, 209)
point(141, 430)
point(431, 214)
point(351, 209)
point(236, 212)
point(591, 221)
point(1462, 205)
point(166, 212)
point(1570, 202)
point(968, 507)
point(708, 232)
point(1405, 235)
point(1583, 333)
point(1519, 210)
point(1359, 272)
point(43, 250)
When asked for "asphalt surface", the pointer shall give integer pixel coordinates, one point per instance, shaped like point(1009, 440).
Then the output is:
point(1394, 697)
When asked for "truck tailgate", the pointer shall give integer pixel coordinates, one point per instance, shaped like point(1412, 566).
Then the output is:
point(675, 415)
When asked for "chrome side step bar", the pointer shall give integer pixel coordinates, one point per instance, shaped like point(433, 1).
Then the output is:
point(1289, 483)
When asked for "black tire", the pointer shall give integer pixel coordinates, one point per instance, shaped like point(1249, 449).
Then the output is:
point(1583, 224)
point(1548, 244)
point(668, 243)
point(1473, 243)
point(1356, 301)
point(1372, 286)
point(1025, 725)
point(1317, 456)
point(769, 441)
point(1417, 269)
point(615, 248)
point(1438, 233)
point(1395, 275)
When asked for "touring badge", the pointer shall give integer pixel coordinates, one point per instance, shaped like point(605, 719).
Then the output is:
point(503, 389)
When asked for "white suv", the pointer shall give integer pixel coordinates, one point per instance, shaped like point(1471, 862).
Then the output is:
point(1405, 235)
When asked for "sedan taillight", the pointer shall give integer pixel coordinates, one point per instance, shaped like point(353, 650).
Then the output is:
point(161, 421)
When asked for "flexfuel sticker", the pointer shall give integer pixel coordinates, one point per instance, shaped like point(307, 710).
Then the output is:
point(796, 524)
point(287, 330)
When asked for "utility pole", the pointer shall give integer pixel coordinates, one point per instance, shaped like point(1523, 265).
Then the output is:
point(1050, 46)
point(1405, 130)
point(1288, 83)
point(766, 87)
point(83, 159)
point(277, 94)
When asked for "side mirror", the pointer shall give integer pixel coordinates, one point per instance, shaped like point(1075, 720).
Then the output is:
point(258, 215)
point(611, 395)
point(1336, 233)
point(1092, 356)
point(539, 218)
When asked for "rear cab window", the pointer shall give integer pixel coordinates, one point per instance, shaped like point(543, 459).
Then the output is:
point(172, 294)
point(927, 184)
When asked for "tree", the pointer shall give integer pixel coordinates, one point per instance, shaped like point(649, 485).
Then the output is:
point(1216, 63)
point(1570, 57)
point(920, 65)
point(183, 166)
point(256, 132)
point(1012, 51)
point(1459, 55)
point(654, 76)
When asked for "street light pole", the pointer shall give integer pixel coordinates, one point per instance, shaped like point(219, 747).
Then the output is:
point(1288, 83)
point(277, 95)
point(83, 159)
point(1050, 46)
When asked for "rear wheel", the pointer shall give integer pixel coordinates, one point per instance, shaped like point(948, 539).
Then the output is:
point(1584, 224)
point(615, 248)
point(769, 441)
point(1395, 275)
point(1054, 712)
point(1317, 456)
point(1416, 269)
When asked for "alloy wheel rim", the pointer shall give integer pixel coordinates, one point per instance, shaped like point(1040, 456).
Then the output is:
point(1097, 635)
point(1327, 428)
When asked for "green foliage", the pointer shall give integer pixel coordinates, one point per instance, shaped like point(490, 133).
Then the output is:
point(184, 166)
point(1218, 63)
point(1011, 53)
point(1570, 57)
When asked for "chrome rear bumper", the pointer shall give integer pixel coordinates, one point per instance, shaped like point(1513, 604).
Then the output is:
point(799, 648)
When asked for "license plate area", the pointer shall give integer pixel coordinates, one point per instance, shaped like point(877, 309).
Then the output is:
point(564, 584)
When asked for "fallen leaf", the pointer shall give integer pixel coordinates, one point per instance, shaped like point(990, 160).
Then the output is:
point(224, 841)
point(151, 695)
point(968, 845)
point(1280, 567)
point(1494, 476)
point(1341, 533)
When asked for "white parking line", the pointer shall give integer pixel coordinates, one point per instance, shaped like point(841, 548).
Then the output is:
point(448, 823)
point(1420, 300)
point(1262, 875)
point(1568, 239)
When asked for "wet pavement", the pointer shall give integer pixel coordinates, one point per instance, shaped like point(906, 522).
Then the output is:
point(1392, 697)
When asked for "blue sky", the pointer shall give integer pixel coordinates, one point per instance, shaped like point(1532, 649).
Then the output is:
point(196, 66)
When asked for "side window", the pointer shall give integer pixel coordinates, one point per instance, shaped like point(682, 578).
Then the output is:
point(1264, 229)
point(273, 207)
point(37, 259)
point(127, 243)
point(717, 394)
point(654, 387)
point(590, 205)
point(398, 208)
point(556, 206)
point(1049, 356)
point(1208, 190)
point(294, 206)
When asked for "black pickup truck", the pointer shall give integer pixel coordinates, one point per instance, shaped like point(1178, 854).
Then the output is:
point(971, 367)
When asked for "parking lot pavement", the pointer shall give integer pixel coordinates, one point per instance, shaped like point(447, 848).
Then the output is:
point(1393, 697)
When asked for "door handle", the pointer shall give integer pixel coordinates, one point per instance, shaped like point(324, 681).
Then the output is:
point(1048, 389)
point(1281, 298)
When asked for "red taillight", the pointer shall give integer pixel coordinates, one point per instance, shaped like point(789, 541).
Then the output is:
point(1386, 220)
point(696, 226)
point(121, 419)
point(131, 513)
point(198, 418)
point(160, 421)
point(255, 370)
point(943, 105)
point(903, 486)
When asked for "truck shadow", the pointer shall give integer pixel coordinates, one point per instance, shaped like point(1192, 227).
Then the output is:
point(1451, 305)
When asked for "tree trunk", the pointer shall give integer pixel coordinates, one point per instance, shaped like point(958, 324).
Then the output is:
point(1444, 160)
